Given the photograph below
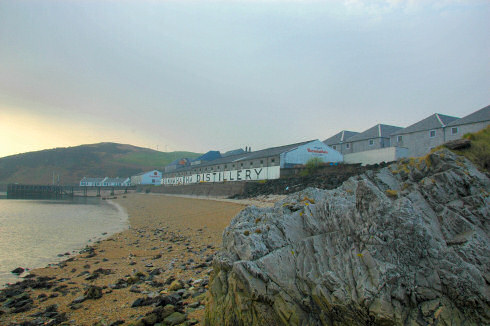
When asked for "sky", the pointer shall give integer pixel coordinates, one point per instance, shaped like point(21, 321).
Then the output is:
point(220, 75)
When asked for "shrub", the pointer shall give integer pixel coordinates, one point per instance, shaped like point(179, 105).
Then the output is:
point(479, 151)
point(311, 166)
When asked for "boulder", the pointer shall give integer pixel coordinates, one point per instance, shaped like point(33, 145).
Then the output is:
point(175, 319)
point(93, 292)
point(407, 244)
point(176, 285)
point(18, 270)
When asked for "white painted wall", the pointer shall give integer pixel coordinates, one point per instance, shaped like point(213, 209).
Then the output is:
point(375, 156)
point(148, 178)
point(316, 148)
point(263, 173)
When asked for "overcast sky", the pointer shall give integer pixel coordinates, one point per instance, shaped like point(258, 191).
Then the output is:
point(201, 75)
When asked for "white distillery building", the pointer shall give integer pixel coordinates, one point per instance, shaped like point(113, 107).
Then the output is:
point(147, 178)
point(105, 182)
point(248, 166)
point(116, 182)
point(91, 182)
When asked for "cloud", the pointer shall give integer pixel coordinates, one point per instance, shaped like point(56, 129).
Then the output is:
point(381, 7)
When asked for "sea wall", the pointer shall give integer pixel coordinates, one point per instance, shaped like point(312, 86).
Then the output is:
point(202, 189)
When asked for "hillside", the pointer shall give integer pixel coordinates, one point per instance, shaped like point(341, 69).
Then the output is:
point(73, 163)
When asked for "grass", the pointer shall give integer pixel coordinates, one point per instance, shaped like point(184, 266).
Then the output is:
point(391, 193)
point(479, 151)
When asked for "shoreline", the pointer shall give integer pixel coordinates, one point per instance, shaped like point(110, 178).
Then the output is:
point(70, 250)
point(169, 239)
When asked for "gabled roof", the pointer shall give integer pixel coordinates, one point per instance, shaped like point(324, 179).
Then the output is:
point(431, 122)
point(115, 180)
point(147, 172)
point(177, 161)
point(233, 152)
point(478, 116)
point(209, 156)
point(340, 137)
point(85, 179)
point(377, 131)
point(273, 151)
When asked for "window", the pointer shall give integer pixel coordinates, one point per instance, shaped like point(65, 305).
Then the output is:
point(334, 147)
point(272, 160)
point(226, 166)
point(153, 180)
point(399, 139)
point(347, 146)
point(241, 164)
point(261, 162)
point(371, 142)
point(432, 133)
point(454, 130)
point(251, 163)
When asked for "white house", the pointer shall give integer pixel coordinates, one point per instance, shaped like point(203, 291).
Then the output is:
point(116, 182)
point(147, 178)
point(91, 182)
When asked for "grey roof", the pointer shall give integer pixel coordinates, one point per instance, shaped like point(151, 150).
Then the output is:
point(141, 173)
point(115, 180)
point(273, 151)
point(233, 152)
point(340, 137)
point(478, 116)
point(378, 131)
point(85, 179)
point(434, 121)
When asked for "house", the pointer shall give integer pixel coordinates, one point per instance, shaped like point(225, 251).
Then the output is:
point(375, 137)
point(420, 137)
point(153, 177)
point(247, 166)
point(473, 122)
point(91, 182)
point(337, 141)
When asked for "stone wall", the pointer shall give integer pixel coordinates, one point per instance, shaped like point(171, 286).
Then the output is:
point(203, 189)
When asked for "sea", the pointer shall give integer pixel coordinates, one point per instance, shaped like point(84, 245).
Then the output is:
point(35, 233)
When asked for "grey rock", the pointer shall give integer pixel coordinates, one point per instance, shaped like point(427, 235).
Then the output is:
point(405, 245)
point(79, 299)
point(175, 318)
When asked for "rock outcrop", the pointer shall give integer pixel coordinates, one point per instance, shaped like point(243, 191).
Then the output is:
point(404, 245)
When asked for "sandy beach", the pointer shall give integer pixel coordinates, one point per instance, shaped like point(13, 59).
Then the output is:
point(170, 239)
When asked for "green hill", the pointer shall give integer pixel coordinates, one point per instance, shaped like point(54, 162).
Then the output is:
point(73, 163)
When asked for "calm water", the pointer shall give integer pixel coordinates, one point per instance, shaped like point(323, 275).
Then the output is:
point(34, 232)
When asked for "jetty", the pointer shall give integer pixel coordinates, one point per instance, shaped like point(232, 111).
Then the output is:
point(22, 191)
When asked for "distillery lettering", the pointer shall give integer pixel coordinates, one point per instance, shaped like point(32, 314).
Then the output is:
point(223, 176)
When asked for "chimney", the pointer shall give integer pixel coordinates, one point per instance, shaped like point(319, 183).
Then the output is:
point(249, 149)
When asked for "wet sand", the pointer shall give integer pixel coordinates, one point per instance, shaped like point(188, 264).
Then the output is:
point(175, 234)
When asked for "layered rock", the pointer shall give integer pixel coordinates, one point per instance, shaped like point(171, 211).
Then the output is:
point(404, 245)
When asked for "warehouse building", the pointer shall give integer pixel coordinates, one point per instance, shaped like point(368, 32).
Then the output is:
point(248, 166)
point(153, 177)
point(105, 182)
point(91, 182)
point(116, 182)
